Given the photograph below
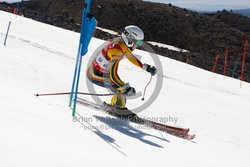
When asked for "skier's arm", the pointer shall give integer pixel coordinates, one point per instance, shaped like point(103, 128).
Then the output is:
point(134, 60)
point(151, 69)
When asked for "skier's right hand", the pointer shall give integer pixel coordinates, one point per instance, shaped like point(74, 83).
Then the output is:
point(151, 69)
point(127, 90)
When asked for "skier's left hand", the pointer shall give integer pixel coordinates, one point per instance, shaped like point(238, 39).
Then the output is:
point(127, 90)
point(151, 69)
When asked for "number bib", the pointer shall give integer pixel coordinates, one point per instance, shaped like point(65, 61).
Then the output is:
point(103, 63)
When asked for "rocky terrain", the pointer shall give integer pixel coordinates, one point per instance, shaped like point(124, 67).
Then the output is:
point(204, 35)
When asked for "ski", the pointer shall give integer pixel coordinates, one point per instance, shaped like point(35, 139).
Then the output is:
point(180, 130)
point(127, 114)
point(134, 118)
point(130, 116)
point(168, 129)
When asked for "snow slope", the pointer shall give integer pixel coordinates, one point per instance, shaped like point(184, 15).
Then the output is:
point(40, 58)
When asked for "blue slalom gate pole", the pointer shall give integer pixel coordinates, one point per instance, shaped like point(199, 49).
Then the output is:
point(7, 33)
point(17, 7)
point(235, 67)
point(87, 30)
point(74, 78)
point(77, 83)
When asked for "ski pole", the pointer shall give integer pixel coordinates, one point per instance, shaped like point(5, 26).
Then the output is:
point(143, 97)
point(7, 34)
point(68, 93)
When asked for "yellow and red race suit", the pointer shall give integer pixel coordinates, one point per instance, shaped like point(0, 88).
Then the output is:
point(107, 62)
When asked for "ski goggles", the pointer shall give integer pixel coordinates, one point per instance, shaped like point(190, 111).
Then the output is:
point(139, 43)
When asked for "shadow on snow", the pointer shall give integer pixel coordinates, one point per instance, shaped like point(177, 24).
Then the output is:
point(124, 127)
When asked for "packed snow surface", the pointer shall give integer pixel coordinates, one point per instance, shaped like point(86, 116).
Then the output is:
point(40, 131)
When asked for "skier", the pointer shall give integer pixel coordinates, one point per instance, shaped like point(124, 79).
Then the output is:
point(103, 70)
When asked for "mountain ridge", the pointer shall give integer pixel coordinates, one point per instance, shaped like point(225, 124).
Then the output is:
point(245, 12)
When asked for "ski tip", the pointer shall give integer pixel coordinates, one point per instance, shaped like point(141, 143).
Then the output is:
point(191, 137)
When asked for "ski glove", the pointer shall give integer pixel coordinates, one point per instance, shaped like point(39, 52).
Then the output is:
point(151, 69)
point(127, 90)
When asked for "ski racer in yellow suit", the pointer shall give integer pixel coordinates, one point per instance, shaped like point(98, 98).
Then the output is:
point(106, 62)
